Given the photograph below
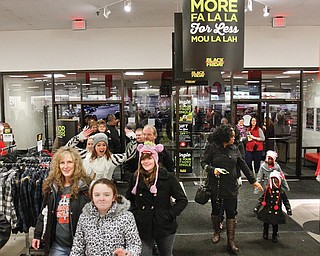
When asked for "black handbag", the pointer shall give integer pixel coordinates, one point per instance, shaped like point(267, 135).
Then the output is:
point(203, 193)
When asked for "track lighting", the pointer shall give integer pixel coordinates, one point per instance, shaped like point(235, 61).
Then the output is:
point(249, 5)
point(266, 11)
point(106, 12)
point(127, 5)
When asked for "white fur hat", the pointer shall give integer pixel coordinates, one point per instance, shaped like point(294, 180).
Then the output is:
point(277, 175)
point(272, 154)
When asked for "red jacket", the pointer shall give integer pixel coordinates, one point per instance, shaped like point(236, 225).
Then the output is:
point(250, 144)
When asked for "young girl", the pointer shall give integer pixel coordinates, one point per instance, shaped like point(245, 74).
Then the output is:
point(150, 192)
point(105, 226)
point(268, 166)
point(272, 200)
point(65, 194)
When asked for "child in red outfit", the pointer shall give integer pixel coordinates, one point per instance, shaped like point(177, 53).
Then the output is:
point(271, 201)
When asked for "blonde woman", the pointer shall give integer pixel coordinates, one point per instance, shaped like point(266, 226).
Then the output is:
point(65, 193)
point(82, 136)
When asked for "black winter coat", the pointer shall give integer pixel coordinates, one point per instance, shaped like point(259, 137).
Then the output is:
point(216, 156)
point(155, 215)
point(269, 214)
point(49, 222)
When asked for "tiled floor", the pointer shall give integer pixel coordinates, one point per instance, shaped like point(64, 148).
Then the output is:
point(305, 213)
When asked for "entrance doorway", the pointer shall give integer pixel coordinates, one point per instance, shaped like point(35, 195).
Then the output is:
point(80, 110)
point(279, 122)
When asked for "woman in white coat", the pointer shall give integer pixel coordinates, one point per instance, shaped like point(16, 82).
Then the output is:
point(101, 163)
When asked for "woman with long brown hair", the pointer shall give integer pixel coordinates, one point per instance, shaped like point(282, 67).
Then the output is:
point(65, 193)
point(101, 163)
point(150, 192)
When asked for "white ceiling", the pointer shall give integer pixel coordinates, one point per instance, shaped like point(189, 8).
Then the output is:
point(58, 14)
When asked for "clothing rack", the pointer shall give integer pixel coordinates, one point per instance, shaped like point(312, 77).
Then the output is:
point(28, 160)
point(32, 150)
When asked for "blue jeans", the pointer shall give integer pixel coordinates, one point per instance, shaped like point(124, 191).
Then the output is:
point(165, 246)
point(59, 250)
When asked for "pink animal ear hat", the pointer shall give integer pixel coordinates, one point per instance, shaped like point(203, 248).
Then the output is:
point(153, 150)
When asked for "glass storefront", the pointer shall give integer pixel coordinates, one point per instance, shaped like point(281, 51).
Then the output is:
point(310, 119)
point(28, 107)
point(182, 114)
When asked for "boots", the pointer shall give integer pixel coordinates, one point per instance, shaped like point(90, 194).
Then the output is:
point(215, 219)
point(265, 231)
point(231, 226)
point(275, 234)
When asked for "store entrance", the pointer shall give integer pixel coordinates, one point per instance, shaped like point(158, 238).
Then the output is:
point(74, 115)
point(279, 122)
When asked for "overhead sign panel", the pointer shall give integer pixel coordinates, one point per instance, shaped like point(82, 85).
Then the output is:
point(213, 35)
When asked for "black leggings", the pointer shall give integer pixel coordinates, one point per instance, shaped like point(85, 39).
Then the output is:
point(229, 205)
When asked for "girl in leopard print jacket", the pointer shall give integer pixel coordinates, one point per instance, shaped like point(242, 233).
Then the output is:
point(106, 227)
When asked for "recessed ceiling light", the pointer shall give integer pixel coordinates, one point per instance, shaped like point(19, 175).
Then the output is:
point(55, 75)
point(18, 76)
point(280, 77)
point(134, 73)
point(291, 72)
point(140, 82)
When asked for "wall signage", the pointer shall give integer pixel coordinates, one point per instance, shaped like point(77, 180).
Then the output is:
point(185, 162)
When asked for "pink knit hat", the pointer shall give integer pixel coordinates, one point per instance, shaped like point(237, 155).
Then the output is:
point(153, 150)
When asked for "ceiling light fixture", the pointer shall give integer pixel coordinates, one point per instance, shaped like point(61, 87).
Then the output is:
point(249, 5)
point(140, 82)
point(134, 73)
point(127, 5)
point(266, 11)
point(106, 11)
